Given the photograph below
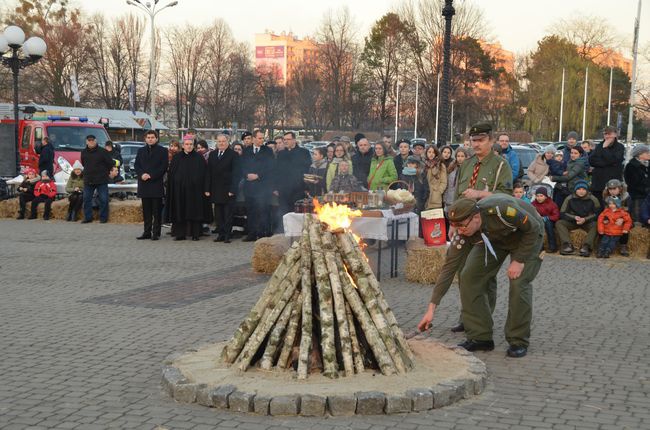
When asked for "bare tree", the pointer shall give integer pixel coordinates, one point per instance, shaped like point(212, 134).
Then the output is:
point(425, 42)
point(132, 30)
point(108, 61)
point(187, 65)
point(271, 95)
point(593, 36)
point(336, 51)
point(306, 97)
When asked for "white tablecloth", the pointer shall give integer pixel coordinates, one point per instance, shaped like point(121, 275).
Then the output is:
point(365, 227)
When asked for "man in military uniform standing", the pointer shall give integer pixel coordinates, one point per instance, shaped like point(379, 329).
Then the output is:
point(484, 173)
point(507, 226)
point(480, 176)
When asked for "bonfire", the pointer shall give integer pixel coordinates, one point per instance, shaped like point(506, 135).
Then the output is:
point(323, 310)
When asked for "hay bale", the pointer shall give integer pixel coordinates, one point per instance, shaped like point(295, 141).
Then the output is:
point(9, 208)
point(639, 243)
point(124, 212)
point(119, 212)
point(423, 263)
point(268, 252)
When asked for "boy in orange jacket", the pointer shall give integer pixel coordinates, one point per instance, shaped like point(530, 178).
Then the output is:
point(45, 191)
point(613, 223)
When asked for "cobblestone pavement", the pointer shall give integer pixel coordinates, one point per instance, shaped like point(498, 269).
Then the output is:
point(88, 314)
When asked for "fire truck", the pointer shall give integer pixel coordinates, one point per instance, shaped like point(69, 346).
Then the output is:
point(67, 135)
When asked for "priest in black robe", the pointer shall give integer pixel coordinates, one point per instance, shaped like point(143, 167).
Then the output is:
point(185, 191)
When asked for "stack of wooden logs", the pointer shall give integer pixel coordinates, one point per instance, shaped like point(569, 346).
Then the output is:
point(322, 309)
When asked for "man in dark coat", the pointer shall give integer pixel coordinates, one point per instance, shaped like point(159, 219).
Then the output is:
point(292, 164)
point(257, 168)
point(607, 162)
point(46, 157)
point(222, 181)
point(185, 191)
point(361, 161)
point(150, 167)
point(97, 164)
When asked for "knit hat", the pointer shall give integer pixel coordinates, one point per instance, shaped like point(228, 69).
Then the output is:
point(559, 153)
point(44, 173)
point(77, 165)
point(29, 170)
point(580, 184)
point(614, 183)
point(614, 200)
point(572, 135)
point(358, 137)
point(542, 190)
point(345, 139)
point(414, 159)
point(640, 149)
point(550, 148)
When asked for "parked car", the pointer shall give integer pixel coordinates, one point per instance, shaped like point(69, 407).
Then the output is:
point(129, 150)
point(526, 156)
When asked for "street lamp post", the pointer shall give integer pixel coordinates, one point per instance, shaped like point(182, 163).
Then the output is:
point(17, 53)
point(451, 123)
point(448, 12)
point(152, 10)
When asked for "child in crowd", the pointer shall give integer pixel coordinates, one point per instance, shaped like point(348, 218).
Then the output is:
point(26, 190)
point(613, 222)
point(519, 192)
point(575, 171)
point(413, 175)
point(74, 188)
point(615, 188)
point(550, 213)
point(44, 192)
point(579, 211)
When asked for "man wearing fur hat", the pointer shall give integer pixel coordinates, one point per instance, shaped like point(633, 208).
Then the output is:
point(97, 164)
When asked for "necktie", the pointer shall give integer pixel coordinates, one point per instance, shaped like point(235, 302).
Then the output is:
point(472, 182)
point(255, 150)
point(220, 154)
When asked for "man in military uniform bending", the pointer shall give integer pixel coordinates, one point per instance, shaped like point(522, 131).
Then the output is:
point(480, 176)
point(506, 226)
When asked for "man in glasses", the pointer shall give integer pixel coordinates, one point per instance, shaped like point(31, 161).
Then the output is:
point(494, 228)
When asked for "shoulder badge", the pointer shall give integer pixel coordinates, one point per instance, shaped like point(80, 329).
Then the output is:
point(511, 212)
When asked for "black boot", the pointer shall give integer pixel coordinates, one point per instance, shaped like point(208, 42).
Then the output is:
point(69, 217)
point(21, 214)
point(585, 251)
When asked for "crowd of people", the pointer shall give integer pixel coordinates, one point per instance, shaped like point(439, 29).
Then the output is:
point(248, 185)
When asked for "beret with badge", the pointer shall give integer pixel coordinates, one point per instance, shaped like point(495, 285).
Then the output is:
point(462, 209)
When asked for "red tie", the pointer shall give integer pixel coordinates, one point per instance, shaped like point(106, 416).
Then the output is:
point(472, 182)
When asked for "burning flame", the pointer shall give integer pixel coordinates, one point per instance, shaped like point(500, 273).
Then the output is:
point(334, 215)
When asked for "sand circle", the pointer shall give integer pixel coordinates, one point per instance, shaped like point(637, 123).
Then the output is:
point(442, 375)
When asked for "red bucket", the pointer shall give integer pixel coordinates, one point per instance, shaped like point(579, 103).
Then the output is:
point(433, 227)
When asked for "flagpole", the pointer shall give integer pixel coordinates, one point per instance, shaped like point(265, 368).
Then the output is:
point(609, 100)
point(635, 50)
point(417, 88)
point(559, 135)
point(437, 108)
point(584, 104)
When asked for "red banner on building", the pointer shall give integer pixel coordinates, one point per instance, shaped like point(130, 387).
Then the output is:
point(269, 52)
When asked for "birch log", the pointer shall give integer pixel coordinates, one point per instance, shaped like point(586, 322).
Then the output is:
point(306, 329)
point(326, 312)
point(361, 268)
point(330, 248)
point(365, 320)
point(276, 335)
point(292, 329)
point(270, 293)
point(356, 350)
point(258, 336)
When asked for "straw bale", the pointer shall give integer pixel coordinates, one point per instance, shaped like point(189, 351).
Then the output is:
point(423, 263)
point(268, 253)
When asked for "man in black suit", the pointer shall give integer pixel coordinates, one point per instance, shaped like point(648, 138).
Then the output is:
point(221, 182)
point(150, 166)
point(292, 164)
point(257, 167)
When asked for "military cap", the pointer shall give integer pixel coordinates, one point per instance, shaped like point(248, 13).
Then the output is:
point(480, 128)
point(403, 141)
point(462, 209)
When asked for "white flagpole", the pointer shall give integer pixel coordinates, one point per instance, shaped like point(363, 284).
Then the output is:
point(397, 112)
point(584, 104)
point(635, 49)
point(417, 88)
point(559, 135)
point(609, 100)
point(437, 109)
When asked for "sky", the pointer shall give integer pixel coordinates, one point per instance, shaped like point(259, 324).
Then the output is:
point(517, 24)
